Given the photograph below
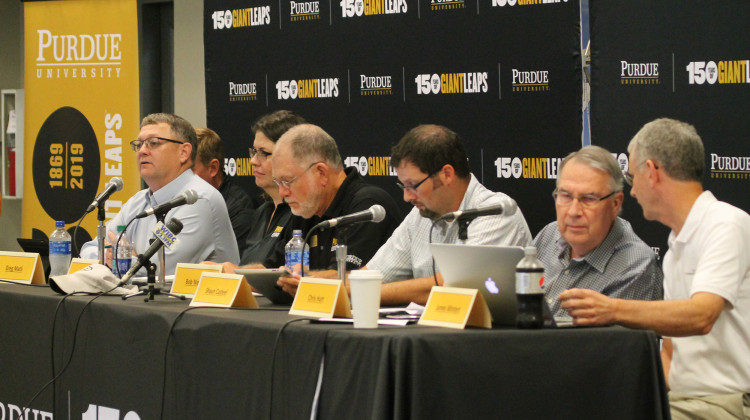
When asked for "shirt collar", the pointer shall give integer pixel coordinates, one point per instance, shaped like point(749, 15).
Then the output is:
point(171, 190)
point(336, 206)
point(599, 256)
point(225, 182)
point(473, 185)
point(693, 220)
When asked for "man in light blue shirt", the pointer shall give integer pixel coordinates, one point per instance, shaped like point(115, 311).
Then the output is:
point(166, 148)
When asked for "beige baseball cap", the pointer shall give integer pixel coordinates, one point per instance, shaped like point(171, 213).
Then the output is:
point(95, 279)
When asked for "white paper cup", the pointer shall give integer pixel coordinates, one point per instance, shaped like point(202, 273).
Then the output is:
point(365, 289)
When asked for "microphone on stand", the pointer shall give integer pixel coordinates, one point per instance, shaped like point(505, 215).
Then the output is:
point(175, 227)
point(509, 207)
point(111, 187)
point(374, 214)
point(187, 197)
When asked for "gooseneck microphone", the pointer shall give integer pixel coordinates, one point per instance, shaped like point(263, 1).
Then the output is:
point(508, 207)
point(111, 187)
point(174, 226)
point(187, 197)
point(374, 214)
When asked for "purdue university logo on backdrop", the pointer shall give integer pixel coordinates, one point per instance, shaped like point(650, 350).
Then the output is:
point(82, 56)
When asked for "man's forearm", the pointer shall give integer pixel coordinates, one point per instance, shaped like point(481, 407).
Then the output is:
point(674, 318)
point(406, 291)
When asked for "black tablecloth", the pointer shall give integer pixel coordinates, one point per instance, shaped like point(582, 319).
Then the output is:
point(259, 364)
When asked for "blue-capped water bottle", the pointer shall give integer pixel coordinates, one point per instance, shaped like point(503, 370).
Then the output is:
point(124, 253)
point(59, 250)
point(297, 252)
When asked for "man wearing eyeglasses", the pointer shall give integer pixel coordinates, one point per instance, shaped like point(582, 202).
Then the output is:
point(311, 179)
point(706, 311)
point(209, 165)
point(165, 150)
point(434, 174)
point(589, 246)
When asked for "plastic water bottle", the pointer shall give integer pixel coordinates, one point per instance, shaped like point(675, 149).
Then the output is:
point(124, 254)
point(59, 250)
point(294, 254)
point(529, 279)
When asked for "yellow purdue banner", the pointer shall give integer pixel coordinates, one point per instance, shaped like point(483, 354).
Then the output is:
point(81, 81)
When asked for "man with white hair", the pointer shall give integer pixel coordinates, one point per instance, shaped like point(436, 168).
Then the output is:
point(705, 317)
point(312, 180)
point(589, 246)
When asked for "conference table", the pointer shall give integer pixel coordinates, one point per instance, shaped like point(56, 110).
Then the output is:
point(131, 359)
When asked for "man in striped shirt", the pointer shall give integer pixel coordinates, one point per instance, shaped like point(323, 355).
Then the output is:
point(589, 246)
point(433, 171)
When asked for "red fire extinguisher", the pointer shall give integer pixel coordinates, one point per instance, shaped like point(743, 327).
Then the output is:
point(12, 171)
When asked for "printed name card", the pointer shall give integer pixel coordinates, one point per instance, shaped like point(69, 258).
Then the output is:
point(321, 298)
point(187, 277)
point(21, 267)
point(77, 264)
point(223, 291)
point(454, 307)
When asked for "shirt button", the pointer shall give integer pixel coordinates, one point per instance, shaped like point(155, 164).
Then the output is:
point(567, 272)
point(549, 301)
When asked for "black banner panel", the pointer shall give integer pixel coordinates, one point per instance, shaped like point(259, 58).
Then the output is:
point(504, 74)
point(683, 59)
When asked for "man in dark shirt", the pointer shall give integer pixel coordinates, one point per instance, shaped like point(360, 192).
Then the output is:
point(209, 166)
point(308, 170)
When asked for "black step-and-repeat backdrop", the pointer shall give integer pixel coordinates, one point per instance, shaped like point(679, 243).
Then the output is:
point(504, 74)
point(683, 59)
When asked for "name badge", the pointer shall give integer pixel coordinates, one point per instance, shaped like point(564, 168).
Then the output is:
point(187, 277)
point(321, 298)
point(454, 307)
point(77, 264)
point(223, 291)
point(21, 267)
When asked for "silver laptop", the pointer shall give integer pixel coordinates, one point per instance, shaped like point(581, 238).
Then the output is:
point(490, 269)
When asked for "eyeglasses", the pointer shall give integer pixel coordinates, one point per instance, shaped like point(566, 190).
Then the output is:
point(629, 177)
point(151, 143)
point(413, 188)
point(288, 183)
point(564, 198)
point(262, 154)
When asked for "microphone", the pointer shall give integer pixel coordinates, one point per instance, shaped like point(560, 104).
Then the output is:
point(508, 207)
point(187, 197)
point(175, 226)
point(114, 185)
point(374, 214)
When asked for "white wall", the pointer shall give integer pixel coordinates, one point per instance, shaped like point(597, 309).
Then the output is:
point(189, 79)
point(11, 77)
